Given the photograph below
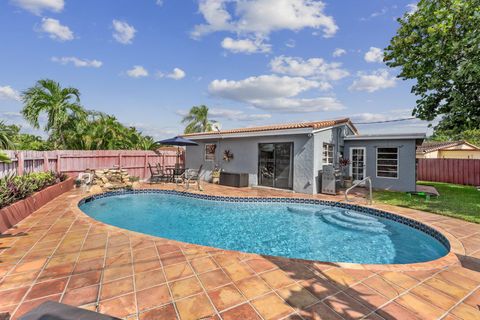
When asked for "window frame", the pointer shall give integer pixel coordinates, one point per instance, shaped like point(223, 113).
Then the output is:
point(214, 153)
point(325, 144)
point(397, 165)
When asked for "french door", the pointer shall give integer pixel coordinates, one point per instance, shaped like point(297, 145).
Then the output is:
point(358, 164)
point(275, 165)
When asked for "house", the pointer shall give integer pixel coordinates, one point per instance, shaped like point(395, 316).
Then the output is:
point(291, 156)
point(448, 150)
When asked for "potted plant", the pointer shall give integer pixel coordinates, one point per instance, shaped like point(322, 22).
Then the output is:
point(347, 180)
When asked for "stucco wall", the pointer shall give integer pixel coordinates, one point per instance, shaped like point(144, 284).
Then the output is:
point(245, 151)
point(406, 180)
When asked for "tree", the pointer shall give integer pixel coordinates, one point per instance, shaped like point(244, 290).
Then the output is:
point(439, 46)
point(60, 104)
point(5, 142)
point(197, 120)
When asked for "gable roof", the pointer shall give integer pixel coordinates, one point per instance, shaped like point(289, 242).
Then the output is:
point(314, 125)
point(431, 146)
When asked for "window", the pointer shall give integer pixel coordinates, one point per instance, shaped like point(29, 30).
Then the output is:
point(328, 153)
point(210, 151)
point(387, 162)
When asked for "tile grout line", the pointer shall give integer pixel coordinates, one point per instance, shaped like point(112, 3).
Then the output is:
point(459, 302)
point(406, 291)
point(31, 248)
point(201, 284)
point(76, 261)
point(168, 286)
point(133, 277)
point(44, 266)
point(102, 274)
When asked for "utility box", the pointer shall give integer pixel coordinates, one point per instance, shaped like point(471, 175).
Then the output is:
point(231, 179)
point(328, 180)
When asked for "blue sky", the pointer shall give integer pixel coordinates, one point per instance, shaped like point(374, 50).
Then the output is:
point(252, 62)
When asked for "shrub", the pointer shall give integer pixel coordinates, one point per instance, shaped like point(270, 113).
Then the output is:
point(14, 188)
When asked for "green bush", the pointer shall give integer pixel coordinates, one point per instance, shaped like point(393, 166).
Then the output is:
point(14, 188)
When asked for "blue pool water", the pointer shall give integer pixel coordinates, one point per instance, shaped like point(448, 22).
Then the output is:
point(302, 231)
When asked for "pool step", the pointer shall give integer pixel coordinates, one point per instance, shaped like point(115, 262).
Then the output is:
point(303, 211)
point(357, 220)
point(359, 215)
point(332, 219)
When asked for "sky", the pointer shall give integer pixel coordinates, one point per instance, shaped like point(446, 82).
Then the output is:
point(252, 62)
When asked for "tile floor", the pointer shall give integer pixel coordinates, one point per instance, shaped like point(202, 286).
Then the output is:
point(60, 254)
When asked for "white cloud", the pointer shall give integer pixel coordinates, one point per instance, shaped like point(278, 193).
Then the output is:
point(261, 17)
point(272, 92)
point(38, 6)
point(177, 74)
point(377, 80)
point(77, 62)
point(314, 67)
point(412, 8)
point(300, 104)
point(159, 2)
point(137, 72)
point(237, 115)
point(123, 32)
point(339, 52)
point(56, 30)
point(261, 87)
point(245, 45)
point(8, 93)
point(374, 55)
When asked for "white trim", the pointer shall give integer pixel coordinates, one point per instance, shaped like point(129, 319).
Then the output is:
point(336, 126)
point(387, 136)
point(398, 164)
point(364, 161)
point(251, 134)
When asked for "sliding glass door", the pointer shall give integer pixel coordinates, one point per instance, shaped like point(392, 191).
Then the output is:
point(275, 165)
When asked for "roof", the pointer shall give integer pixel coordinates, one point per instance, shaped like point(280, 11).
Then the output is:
point(313, 125)
point(393, 136)
point(431, 146)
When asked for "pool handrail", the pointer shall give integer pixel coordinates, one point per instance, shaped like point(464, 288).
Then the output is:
point(369, 198)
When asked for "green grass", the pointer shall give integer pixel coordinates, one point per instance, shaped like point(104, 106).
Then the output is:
point(462, 202)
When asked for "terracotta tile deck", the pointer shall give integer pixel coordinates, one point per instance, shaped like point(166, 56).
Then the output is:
point(60, 254)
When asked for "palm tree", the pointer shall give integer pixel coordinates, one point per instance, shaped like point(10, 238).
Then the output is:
point(5, 142)
point(197, 119)
point(47, 96)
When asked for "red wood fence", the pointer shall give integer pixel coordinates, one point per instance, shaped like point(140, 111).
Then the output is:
point(73, 162)
point(458, 171)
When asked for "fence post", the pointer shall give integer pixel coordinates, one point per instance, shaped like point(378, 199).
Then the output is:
point(145, 166)
point(20, 163)
point(119, 161)
point(58, 162)
point(45, 161)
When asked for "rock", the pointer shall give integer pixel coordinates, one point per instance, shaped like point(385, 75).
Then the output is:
point(96, 189)
point(136, 185)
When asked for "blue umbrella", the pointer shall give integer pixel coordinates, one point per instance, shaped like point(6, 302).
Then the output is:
point(178, 141)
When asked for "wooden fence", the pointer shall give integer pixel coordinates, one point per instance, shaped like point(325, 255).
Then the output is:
point(458, 171)
point(72, 162)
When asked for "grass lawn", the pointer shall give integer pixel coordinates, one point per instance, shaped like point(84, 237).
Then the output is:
point(462, 202)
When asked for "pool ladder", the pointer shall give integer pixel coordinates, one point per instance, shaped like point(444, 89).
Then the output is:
point(370, 197)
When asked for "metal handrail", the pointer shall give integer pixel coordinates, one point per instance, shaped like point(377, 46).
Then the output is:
point(370, 198)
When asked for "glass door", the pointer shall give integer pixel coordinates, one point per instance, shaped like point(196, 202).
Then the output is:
point(358, 164)
point(275, 165)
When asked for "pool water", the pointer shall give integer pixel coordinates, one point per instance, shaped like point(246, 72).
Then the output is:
point(304, 231)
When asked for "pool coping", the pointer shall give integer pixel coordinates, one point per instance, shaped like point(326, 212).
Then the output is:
point(453, 244)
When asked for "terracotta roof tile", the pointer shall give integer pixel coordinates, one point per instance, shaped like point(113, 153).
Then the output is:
point(297, 125)
point(430, 146)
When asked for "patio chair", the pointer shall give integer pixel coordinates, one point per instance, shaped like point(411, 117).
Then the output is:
point(193, 175)
point(155, 174)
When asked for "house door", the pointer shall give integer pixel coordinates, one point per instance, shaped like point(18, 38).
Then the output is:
point(358, 164)
point(275, 165)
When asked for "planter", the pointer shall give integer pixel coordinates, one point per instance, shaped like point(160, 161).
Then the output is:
point(16, 212)
point(347, 183)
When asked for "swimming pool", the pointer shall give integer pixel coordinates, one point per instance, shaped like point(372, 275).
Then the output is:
point(294, 228)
